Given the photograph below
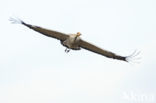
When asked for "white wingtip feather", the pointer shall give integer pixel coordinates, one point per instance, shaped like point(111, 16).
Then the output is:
point(15, 21)
point(133, 57)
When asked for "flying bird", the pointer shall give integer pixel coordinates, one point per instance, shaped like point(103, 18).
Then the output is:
point(73, 41)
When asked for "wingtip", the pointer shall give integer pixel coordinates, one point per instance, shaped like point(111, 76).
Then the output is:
point(15, 20)
point(133, 57)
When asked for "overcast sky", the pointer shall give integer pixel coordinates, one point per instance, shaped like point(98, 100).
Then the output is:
point(35, 69)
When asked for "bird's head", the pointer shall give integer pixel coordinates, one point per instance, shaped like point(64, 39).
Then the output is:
point(78, 34)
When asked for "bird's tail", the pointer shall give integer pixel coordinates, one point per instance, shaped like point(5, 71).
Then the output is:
point(16, 21)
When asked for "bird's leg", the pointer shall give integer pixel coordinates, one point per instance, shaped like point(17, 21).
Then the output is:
point(67, 50)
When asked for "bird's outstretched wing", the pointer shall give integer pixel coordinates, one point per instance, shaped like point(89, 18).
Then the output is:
point(100, 51)
point(50, 33)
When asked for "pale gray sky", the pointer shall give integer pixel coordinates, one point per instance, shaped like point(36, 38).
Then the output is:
point(35, 68)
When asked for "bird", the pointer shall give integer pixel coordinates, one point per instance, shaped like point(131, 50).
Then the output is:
point(74, 41)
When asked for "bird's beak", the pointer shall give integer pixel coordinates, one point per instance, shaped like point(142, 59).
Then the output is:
point(78, 34)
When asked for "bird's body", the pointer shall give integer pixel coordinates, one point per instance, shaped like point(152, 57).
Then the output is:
point(73, 41)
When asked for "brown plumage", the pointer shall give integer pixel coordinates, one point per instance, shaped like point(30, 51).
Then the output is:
point(100, 51)
point(73, 41)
